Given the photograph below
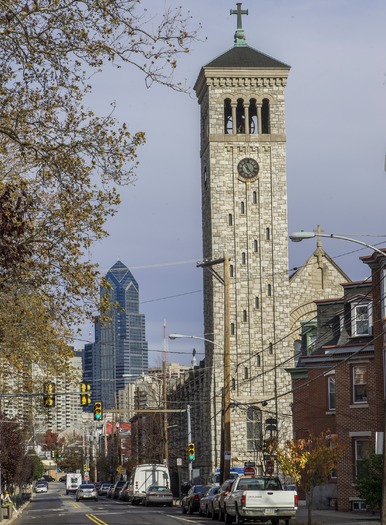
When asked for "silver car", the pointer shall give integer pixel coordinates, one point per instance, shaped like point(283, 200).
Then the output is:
point(158, 495)
point(86, 491)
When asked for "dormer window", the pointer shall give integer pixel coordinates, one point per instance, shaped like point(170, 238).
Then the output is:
point(361, 319)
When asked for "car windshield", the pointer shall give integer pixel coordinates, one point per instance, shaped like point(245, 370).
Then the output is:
point(201, 488)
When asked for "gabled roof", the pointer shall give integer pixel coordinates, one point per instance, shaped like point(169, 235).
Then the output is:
point(246, 57)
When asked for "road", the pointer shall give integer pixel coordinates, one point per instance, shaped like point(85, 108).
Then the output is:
point(56, 508)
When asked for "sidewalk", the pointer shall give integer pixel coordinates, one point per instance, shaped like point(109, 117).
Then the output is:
point(333, 517)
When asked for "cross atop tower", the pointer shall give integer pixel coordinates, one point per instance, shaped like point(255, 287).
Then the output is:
point(239, 34)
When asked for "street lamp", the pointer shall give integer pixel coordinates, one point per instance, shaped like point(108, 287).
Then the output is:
point(226, 430)
point(300, 236)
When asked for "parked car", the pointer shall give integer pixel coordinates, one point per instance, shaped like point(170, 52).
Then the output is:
point(115, 490)
point(191, 502)
point(104, 488)
point(123, 495)
point(48, 478)
point(206, 502)
point(41, 487)
point(86, 491)
point(158, 495)
point(218, 500)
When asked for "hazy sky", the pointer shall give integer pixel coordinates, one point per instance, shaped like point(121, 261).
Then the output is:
point(336, 145)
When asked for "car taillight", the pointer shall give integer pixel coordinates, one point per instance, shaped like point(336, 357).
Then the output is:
point(296, 500)
point(196, 496)
point(243, 498)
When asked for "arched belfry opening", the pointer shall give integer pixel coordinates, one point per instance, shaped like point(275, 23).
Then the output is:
point(265, 118)
point(228, 123)
point(253, 120)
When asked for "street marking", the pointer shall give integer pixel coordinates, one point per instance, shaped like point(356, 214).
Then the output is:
point(76, 505)
point(180, 518)
point(95, 519)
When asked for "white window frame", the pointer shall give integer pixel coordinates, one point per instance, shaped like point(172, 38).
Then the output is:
point(359, 399)
point(359, 320)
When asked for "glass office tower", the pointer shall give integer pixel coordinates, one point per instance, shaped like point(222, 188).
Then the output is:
point(120, 351)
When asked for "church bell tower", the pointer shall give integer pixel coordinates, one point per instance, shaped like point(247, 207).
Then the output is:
point(244, 220)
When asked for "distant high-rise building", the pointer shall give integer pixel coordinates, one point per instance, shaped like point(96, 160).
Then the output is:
point(120, 351)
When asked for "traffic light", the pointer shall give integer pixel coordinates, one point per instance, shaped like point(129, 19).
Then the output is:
point(191, 452)
point(98, 411)
point(49, 395)
point(85, 394)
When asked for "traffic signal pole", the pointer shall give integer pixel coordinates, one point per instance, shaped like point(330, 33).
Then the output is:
point(190, 464)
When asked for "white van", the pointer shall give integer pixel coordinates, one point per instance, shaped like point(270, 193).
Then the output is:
point(142, 477)
point(73, 481)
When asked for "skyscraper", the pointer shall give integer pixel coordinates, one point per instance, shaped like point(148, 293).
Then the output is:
point(120, 351)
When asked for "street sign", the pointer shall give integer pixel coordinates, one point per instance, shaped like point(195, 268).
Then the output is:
point(269, 467)
point(249, 464)
point(227, 456)
point(249, 471)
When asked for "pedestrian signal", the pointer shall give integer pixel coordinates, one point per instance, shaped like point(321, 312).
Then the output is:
point(85, 394)
point(49, 395)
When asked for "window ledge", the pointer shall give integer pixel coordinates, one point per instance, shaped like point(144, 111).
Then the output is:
point(331, 413)
point(360, 405)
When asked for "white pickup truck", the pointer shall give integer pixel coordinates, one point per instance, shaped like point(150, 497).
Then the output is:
point(259, 499)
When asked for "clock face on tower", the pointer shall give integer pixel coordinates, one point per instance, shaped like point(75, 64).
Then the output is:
point(248, 168)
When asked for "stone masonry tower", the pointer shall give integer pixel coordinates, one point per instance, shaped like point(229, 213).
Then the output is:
point(244, 220)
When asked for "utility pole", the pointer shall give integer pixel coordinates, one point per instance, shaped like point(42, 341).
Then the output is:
point(226, 410)
point(164, 395)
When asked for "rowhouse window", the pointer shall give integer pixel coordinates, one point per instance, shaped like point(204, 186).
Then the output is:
point(359, 384)
point(361, 451)
point(331, 393)
point(361, 319)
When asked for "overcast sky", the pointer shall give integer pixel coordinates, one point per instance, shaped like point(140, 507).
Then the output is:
point(336, 145)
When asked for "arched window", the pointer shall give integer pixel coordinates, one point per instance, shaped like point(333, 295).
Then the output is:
point(232, 328)
point(245, 317)
point(230, 219)
point(246, 372)
point(255, 246)
point(254, 429)
point(254, 197)
point(228, 124)
point(269, 290)
point(270, 348)
point(257, 302)
point(242, 207)
point(243, 258)
point(265, 118)
point(267, 234)
point(233, 385)
point(231, 269)
point(258, 360)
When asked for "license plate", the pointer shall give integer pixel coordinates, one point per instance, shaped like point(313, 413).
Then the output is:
point(269, 511)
